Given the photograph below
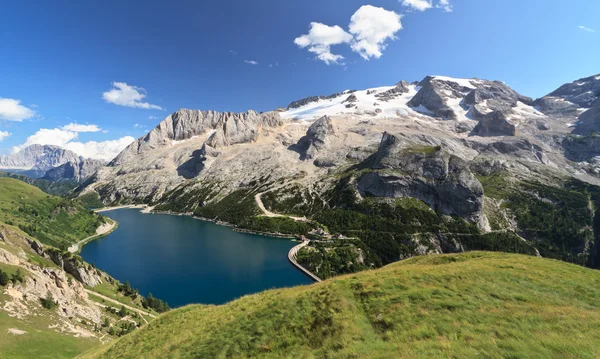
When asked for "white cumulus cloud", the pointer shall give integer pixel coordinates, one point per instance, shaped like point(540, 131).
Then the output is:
point(123, 94)
point(587, 29)
point(76, 127)
point(12, 110)
point(445, 5)
point(320, 38)
point(3, 135)
point(106, 150)
point(372, 27)
point(418, 5)
point(251, 62)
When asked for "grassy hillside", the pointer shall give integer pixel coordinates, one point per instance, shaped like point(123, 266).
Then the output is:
point(478, 304)
point(52, 220)
point(60, 188)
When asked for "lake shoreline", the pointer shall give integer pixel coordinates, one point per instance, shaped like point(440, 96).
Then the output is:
point(251, 263)
point(150, 210)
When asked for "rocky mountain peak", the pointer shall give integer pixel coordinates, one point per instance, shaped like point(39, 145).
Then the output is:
point(35, 160)
point(227, 128)
point(571, 99)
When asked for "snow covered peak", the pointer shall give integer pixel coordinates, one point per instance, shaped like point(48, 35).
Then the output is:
point(386, 101)
point(461, 82)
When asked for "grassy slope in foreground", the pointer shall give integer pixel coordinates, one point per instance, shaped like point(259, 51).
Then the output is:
point(490, 305)
point(52, 220)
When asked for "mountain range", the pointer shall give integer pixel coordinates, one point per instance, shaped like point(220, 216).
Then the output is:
point(468, 149)
point(50, 162)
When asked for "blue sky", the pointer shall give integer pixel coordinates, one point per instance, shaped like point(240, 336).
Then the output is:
point(58, 58)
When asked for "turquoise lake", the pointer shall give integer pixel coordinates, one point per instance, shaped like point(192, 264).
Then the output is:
point(183, 260)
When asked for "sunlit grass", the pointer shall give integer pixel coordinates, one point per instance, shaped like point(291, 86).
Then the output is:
point(488, 305)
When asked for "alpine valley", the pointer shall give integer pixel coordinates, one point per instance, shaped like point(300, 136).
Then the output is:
point(374, 176)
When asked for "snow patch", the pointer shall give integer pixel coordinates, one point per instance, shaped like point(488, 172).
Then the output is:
point(366, 105)
point(461, 82)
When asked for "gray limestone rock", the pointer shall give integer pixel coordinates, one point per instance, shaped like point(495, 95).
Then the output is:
point(401, 87)
point(316, 139)
point(589, 121)
point(494, 123)
point(78, 170)
point(228, 128)
point(441, 180)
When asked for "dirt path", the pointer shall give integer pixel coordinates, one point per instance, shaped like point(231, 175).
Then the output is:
point(267, 213)
point(114, 301)
point(103, 229)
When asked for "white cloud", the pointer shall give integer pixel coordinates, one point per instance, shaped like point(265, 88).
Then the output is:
point(251, 62)
point(320, 38)
point(233, 52)
point(418, 5)
point(137, 125)
point(153, 118)
point(587, 29)
point(106, 150)
point(131, 96)
point(445, 5)
point(371, 27)
point(75, 127)
point(3, 135)
point(12, 110)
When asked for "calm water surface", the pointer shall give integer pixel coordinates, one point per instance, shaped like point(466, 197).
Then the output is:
point(184, 260)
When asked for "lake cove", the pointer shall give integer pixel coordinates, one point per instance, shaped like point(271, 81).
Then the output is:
point(183, 260)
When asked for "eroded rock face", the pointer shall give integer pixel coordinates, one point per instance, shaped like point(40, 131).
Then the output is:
point(479, 97)
point(402, 87)
point(437, 178)
point(84, 275)
point(570, 99)
point(78, 170)
point(433, 95)
point(316, 139)
point(495, 123)
point(228, 128)
point(589, 121)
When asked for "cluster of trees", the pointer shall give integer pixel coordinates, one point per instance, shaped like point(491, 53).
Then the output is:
point(15, 278)
point(329, 261)
point(127, 290)
point(155, 303)
point(147, 302)
point(48, 302)
point(277, 225)
point(555, 219)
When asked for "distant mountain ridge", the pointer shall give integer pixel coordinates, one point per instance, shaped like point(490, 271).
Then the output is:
point(37, 160)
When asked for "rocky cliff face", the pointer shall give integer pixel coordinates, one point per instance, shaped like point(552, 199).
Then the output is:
point(77, 170)
point(441, 180)
point(37, 159)
point(225, 128)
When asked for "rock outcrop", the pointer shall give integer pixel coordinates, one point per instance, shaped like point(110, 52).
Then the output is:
point(78, 170)
point(227, 128)
point(589, 121)
point(316, 139)
point(445, 96)
point(570, 99)
point(441, 180)
point(401, 87)
point(495, 123)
